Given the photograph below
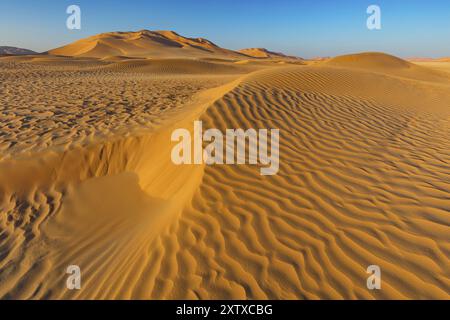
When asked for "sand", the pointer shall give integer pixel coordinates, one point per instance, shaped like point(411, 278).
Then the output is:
point(437, 65)
point(144, 44)
point(86, 177)
point(264, 53)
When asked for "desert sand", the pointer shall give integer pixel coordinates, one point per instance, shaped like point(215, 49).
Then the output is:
point(437, 65)
point(86, 176)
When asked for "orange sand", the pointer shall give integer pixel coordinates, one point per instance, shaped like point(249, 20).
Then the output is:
point(86, 176)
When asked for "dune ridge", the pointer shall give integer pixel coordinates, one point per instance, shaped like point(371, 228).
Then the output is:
point(350, 193)
point(55, 218)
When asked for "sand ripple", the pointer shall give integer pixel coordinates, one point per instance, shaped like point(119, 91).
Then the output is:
point(364, 179)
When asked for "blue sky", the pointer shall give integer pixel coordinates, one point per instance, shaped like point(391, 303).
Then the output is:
point(305, 28)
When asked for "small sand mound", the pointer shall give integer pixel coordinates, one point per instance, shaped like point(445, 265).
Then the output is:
point(370, 60)
point(388, 64)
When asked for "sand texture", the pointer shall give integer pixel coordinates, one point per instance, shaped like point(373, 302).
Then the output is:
point(86, 176)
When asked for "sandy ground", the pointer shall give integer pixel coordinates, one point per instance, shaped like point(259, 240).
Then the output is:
point(443, 66)
point(46, 106)
point(86, 179)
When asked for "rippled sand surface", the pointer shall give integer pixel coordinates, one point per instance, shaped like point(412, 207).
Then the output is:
point(86, 179)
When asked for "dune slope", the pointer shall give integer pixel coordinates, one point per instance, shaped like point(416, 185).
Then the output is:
point(362, 181)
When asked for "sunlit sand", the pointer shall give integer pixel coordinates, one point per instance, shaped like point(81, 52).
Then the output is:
point(86, 176)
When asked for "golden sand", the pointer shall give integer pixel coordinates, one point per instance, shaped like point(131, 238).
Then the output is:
point(86, 176)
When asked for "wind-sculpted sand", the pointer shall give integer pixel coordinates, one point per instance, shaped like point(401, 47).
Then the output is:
point(86, 179)
point(50, 106)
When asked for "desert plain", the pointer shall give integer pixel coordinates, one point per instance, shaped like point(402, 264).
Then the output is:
point(86, 176)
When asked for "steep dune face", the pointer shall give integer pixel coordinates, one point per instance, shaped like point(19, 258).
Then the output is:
point(52, 215)
point(56, 219)
point(143, 43)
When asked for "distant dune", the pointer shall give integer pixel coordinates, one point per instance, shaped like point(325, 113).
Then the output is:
point(143, 44)
point(264, 53)
point(420, 59)
point(385, 63)
point(14, 51)
point(370, 60)
point(424, 59)
point(157, 44)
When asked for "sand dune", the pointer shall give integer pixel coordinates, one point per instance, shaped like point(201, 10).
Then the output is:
point(144, 43)
point(159, 45)
point(387, 64)
point(359, 184)
point(86, 178)
point(264, 53)
point(444, 59)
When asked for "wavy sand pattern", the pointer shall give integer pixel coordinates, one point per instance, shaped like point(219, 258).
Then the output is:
point(364, 179)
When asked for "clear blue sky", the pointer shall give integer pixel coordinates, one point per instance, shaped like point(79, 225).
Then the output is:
point(302, 27)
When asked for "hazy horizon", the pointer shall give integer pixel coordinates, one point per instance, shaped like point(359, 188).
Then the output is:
point(302, 28)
